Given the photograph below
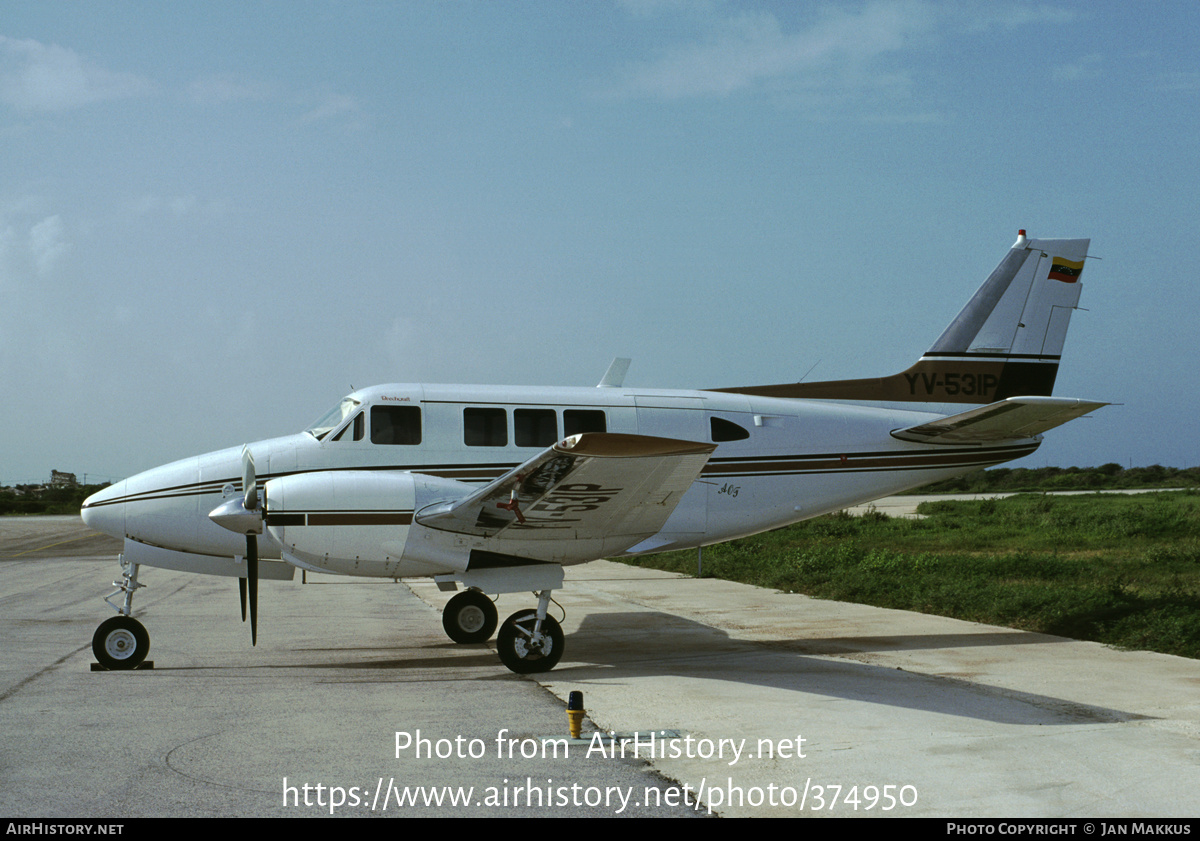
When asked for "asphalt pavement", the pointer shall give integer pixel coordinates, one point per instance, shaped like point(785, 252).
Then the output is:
point(702, 697)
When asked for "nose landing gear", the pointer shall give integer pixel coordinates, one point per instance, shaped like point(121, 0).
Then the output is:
point(122, 642)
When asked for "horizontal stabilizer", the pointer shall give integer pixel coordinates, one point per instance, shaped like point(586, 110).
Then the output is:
point(1006, 420)
point(591, 485)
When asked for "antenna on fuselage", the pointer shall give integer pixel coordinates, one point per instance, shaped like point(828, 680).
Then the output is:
point(809, 371)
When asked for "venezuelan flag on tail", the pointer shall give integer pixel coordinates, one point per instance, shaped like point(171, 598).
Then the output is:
point(1067, 271)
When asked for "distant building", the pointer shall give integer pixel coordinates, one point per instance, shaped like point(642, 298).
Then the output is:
point(62, 480)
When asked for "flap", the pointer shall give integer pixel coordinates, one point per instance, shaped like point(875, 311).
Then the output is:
point(591, 485)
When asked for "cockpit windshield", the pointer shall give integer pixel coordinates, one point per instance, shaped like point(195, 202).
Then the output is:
point(333, 418)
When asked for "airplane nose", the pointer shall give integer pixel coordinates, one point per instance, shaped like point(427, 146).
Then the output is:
point(104, 510)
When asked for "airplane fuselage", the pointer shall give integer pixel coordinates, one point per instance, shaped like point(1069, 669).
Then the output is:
point(342, 499)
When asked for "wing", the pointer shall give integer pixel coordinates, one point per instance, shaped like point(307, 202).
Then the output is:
point(592, 485)
point(1006, 420)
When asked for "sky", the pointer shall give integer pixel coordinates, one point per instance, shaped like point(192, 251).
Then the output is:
point(217, 218)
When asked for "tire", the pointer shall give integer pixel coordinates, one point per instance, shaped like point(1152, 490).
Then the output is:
point(120, 643)
point(512, 644)
point(469, 617)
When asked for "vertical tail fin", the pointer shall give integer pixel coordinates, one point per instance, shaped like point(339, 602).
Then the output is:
point(1014, 328)
point(1006, 342)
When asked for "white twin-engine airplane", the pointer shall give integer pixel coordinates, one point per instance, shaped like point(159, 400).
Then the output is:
point(495, 488)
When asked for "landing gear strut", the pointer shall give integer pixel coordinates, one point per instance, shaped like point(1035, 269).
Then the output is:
point(469, 617)
point(530, 641)
point(122, 642)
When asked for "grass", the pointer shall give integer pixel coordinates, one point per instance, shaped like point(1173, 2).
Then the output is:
point(1121, 570)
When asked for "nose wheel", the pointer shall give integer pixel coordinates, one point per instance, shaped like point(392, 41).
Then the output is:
point(120, 642)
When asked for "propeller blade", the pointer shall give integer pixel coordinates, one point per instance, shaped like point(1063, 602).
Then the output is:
point(242, 593)
point(249, 482)
point(252, 582)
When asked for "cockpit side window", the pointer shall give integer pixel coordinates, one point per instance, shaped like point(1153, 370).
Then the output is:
point(332, 419)
point(396, 425)
point(355, 428)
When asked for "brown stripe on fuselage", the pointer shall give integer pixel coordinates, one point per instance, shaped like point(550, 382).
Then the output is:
point(361, 518)
point(951, 378)
point(339, 518)
point(863, 462)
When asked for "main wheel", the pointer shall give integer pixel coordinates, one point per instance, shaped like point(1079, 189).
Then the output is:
point(519, 652)
point(469, 617)
point(120, 643)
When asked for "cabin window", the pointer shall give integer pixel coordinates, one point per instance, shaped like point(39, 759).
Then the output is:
point(535, 427)
point(583, 420)
point(396, 425)
point(485, 427)
point(723, 430)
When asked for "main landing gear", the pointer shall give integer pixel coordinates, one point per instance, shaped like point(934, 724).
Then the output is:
point(529, 641)
point(527, 644)
point(470, 617)
point(122, 642)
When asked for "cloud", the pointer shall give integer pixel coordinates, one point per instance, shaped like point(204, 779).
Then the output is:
point(36, 252)
point(326, 103)
point(1086, 67)
point(224, 88)
point(654, 8)
point(1010, 16)
point(322, 104)
point(8, 244)
point(399, 343)
point(40, 77)
point(184, 206)
point(752, 50)
point(850, 55)
point(46, 244)
point(1183, 80)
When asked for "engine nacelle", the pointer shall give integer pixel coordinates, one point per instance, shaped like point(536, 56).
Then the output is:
point(360, 522)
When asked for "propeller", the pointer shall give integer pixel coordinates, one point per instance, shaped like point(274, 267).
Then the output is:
point(250, 503)
point(245, 515)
